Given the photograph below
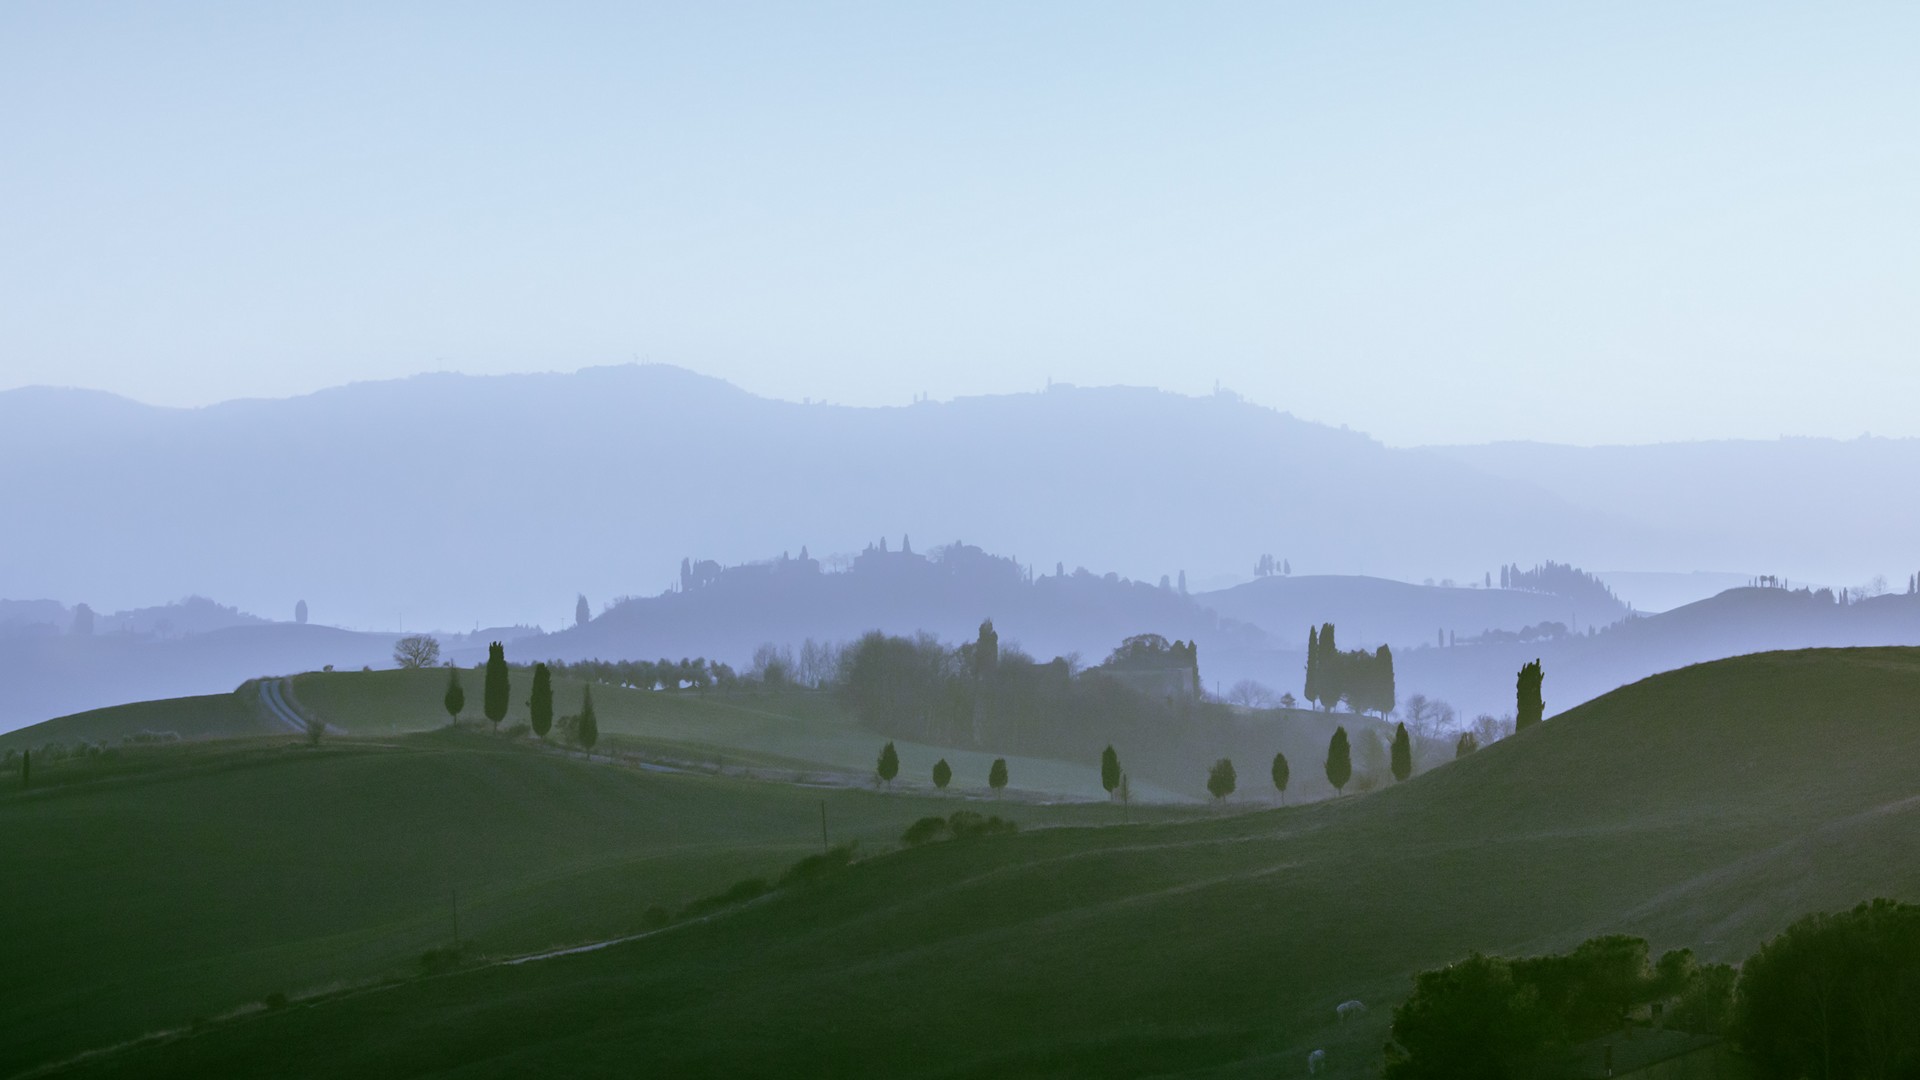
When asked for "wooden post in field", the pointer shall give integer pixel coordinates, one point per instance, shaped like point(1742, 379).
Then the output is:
point(824, 847)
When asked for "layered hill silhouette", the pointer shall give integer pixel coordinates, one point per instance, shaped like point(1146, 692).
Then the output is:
point(1704, 808)
point(439, 499)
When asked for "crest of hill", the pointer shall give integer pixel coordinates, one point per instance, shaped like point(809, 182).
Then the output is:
point(1375, 610)
point(947, 592)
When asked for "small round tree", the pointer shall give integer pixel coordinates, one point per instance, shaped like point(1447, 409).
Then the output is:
point(1281, 774)
point(1220, 779)
point(1402, 754)
point(1109, 770)
point(1339, 760)
point(942, 774)
point(456, 697)
point(997, 776)
point(888, 766)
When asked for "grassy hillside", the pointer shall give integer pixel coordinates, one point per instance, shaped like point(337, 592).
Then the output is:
point(209, 716)
point(1706, 807)
point(796, 734)
point(164, 884)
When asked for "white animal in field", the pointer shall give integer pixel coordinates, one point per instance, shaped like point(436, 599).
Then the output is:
point(1347, 1010)
point(1315, 1062)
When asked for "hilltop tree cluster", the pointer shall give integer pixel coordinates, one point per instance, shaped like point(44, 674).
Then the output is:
point(1559, 579)
point(1362, 679)
point(1268, 567)
point(695, 674)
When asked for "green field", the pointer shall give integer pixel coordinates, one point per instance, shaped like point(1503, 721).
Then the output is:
point(1704, 808)
point(152, 886)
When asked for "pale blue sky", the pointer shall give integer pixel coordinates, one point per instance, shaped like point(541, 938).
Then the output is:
point(1598, 222)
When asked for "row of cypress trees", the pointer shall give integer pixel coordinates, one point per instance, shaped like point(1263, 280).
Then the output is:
point(888, 767)
point(497, 691)
point(1364, 680)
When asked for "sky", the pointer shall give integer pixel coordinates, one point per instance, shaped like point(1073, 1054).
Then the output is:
point(1596, 223)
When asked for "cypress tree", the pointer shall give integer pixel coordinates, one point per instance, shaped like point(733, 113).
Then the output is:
point(888, 766)
point(1312, 689)
point(456, 698)
point(494, 696)
point(1333, 675)
point(997, 776)
point(582, 614)
point(1402, 753)
point(942, 774)
point(540, 703)
point(1530, 707)
point(1339, 760)
point(1109, 770)
point(589, 728)
point(1383, 694)
point(1281, 773)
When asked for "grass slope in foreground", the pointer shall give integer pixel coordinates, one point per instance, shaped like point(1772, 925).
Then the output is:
point(1705, 807)
point(167, 883)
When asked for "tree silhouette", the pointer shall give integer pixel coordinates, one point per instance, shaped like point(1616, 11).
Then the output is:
point(1382, 681)
point(589, 727)
point(942, 773)
point(416, 651)
point(582, 614)
point(1220, 779)
point(1281, 773)
point(1312, 687)
point(1468, 743)
point(300, 612)
point(456, 698)
point(1402, 753)
point(1109, 770)
point(1530, 708)
point(1339, 760)
point(540, 702)
point(997, 776)
point(888, 766)
point(494, 695)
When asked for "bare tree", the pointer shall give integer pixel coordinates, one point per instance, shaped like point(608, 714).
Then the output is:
point(1252, 694)
point(1488, 729)
point(416, 651)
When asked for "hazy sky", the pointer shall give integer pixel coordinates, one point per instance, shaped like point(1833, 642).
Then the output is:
point(1600, 222)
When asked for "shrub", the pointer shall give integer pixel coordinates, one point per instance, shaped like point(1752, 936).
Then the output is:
point(739, 893)
point(814, 867)
point(445, 958)
point(966, 824)
point(926, 830)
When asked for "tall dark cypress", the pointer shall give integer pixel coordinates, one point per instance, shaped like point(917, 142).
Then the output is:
point(1529, 707)
point(1384, 698)
point(1312, 690)
point(540, 702)
point(1402, 754)
point(1339, 760)
point(494, 698)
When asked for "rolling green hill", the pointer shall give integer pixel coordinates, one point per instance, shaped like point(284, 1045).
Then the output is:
point(157, 885)
point(1705, 807)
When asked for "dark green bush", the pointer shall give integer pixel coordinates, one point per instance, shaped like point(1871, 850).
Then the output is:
point(926, 830)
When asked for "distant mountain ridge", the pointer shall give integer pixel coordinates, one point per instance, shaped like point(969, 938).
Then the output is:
point(440, 499)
